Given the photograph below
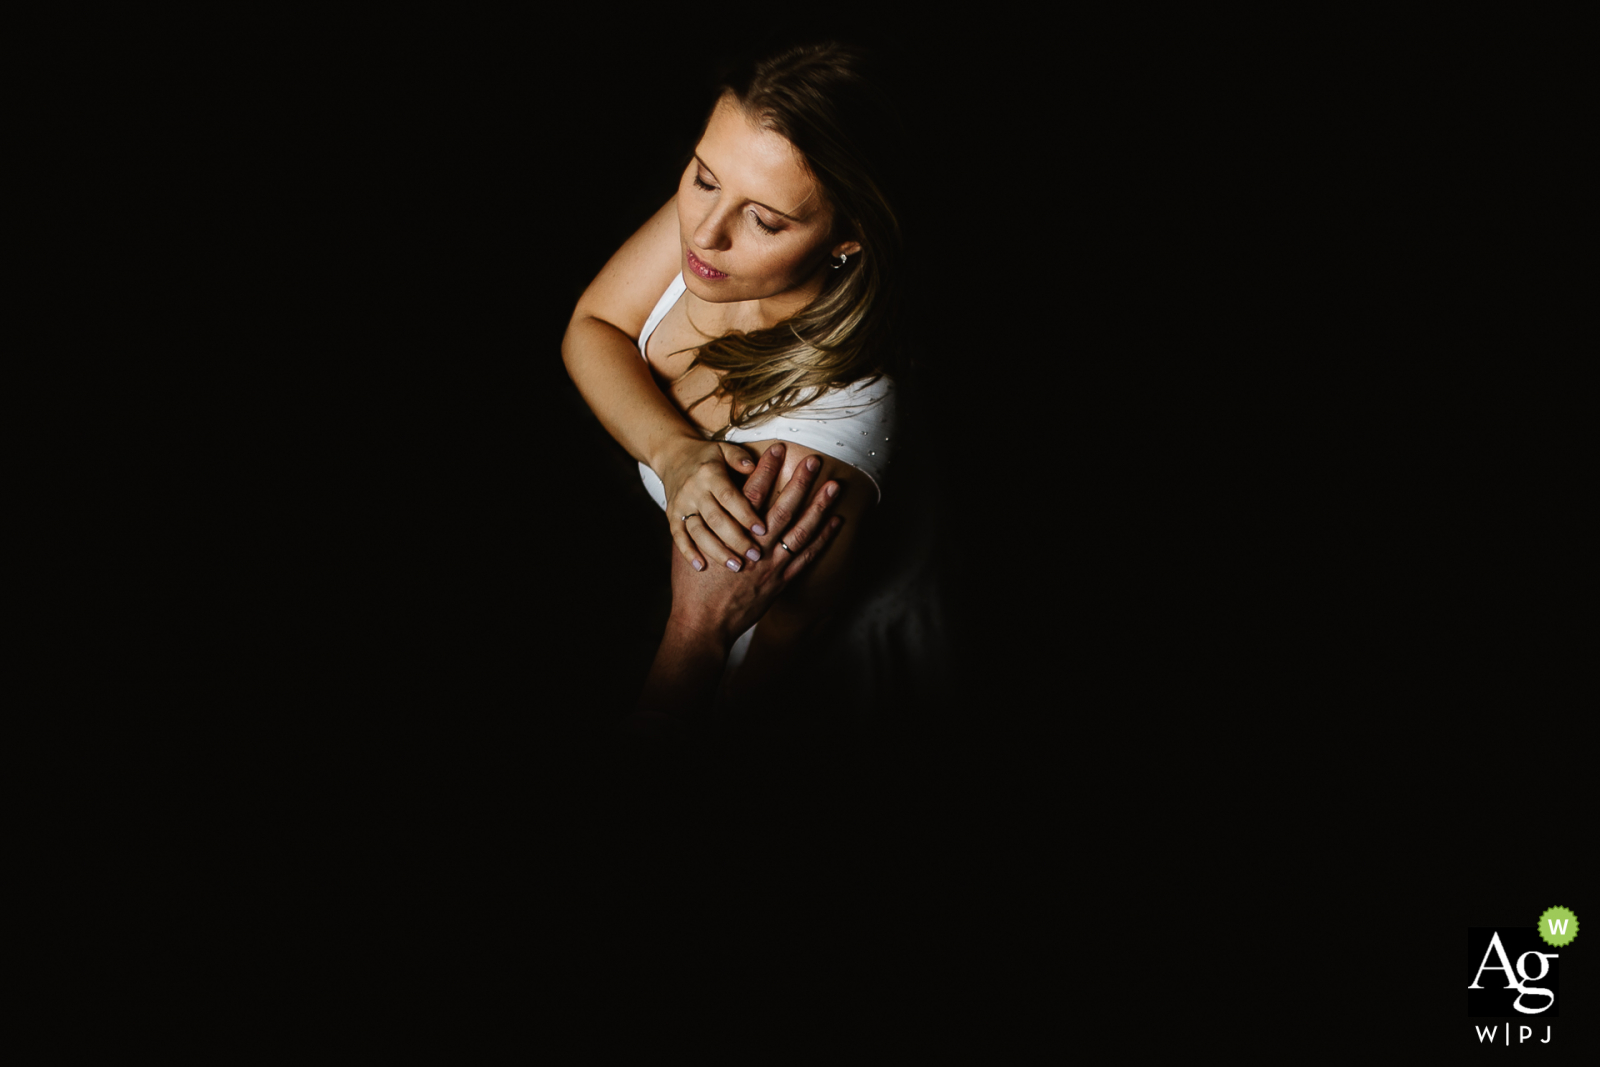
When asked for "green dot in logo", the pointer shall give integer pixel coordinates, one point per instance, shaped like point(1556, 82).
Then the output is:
point(1558, 926)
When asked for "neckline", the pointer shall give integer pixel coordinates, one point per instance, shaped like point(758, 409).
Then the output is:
point(669, 300)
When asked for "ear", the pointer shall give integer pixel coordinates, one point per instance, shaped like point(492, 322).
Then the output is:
point(846, 248)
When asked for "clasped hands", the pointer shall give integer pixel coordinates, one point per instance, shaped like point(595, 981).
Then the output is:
point(711, 518)
point(711, 607)
point(722, 603)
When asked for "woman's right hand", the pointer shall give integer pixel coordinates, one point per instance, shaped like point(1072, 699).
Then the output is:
point(720, 518)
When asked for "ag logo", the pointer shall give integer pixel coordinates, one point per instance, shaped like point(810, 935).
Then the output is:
point(1510, 972)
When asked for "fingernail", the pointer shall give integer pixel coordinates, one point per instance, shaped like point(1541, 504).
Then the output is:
point(759, 530)
point(775, 450)
point(733, 564)
point(696, 564)
point(754, 554)
point(744, 463)
point(836, 521)
point(832, 488)
point(812, 463)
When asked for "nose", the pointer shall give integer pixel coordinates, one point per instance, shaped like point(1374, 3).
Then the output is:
point(712, 233)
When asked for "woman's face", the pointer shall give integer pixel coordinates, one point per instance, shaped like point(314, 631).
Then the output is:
point(752, 220)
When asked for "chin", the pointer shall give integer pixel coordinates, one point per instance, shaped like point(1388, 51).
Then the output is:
point(710, 292)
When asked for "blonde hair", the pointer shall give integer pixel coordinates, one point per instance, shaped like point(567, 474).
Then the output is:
point(844, 128)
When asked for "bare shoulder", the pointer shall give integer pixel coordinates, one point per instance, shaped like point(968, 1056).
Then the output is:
point(628, 286)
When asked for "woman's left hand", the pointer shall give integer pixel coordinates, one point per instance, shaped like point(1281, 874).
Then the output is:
point(723, 604)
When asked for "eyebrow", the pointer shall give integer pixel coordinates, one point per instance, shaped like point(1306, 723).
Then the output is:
point(757, 203)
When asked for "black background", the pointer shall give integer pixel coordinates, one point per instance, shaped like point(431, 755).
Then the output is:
point(382, 455)
point(388, 609)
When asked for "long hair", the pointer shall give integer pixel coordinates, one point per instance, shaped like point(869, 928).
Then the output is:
point(848, 132)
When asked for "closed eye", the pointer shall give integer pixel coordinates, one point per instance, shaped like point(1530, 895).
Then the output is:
point(763, 227)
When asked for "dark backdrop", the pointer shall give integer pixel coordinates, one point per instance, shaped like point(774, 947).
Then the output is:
point(400, 546)
point(415, 210)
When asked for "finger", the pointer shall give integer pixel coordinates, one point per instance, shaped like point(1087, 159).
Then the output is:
point(817, 548)
point(793, 497)
point(715, 550)
point(737, 458)
point(760, 484)
point(733, 535)
point(741, 517)
point(685, 545)
point(800, 534)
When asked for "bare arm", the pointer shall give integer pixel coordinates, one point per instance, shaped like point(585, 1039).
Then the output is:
point(600, 347)
point(602, 357)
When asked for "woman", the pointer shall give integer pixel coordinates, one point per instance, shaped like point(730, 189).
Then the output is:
point(759, 298)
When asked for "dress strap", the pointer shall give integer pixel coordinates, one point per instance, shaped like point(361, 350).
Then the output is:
point(664, 305)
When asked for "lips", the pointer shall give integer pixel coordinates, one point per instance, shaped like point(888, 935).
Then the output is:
point(709, 273)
